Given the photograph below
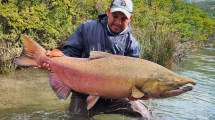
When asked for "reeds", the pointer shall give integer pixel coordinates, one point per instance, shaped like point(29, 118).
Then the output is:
point(157, 44)
point(7, 53)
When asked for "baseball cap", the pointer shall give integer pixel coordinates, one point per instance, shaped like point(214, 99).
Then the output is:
point(125, 6)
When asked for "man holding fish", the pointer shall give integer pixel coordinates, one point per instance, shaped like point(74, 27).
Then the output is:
point(114, 81)
point(109, 33)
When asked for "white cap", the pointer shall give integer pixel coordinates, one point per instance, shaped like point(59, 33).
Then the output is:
point(125, 6)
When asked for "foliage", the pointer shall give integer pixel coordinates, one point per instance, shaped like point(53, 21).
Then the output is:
point(45, 20)
point(163, 23)
point(7, 53)
point(178, 16)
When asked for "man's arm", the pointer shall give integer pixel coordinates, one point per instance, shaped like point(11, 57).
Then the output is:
point(74, 45)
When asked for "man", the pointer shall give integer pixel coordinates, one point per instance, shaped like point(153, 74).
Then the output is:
point(110, 33)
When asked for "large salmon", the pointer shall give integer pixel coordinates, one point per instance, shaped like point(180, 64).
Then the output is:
point(104, 74)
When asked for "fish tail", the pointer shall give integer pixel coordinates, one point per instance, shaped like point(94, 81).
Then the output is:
point(31, 52)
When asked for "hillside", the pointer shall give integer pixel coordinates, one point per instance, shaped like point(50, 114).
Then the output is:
point(208, 7)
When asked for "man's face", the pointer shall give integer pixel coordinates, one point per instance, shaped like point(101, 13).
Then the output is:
point(117, 21)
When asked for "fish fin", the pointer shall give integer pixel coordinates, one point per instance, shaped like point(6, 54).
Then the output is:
point(98, 55)
point(55, 53)
point(136, 93)
point(58, 87)
point(91, 101)
point(25, 61)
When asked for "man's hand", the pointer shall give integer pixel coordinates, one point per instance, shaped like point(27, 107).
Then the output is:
point(45, 66)
point(53, 53)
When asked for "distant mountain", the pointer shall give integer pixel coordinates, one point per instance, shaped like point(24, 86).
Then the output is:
point(197, 0)
point(208, 7)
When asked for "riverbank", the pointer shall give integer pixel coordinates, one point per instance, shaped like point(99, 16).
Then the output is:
point(210, 42)
point(183, 50)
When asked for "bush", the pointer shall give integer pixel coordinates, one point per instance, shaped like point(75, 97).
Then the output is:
point(8, 52)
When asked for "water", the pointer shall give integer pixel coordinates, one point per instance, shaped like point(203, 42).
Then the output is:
point(26, 95)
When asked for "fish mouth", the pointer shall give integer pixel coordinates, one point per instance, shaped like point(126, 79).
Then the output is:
point(174, 92)
point(168, 93)
point(177, 90)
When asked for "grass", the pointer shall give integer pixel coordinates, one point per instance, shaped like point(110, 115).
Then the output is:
point(7, 53)
point(157, 45)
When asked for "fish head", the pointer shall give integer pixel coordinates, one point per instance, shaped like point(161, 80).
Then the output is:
point(165, 86)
